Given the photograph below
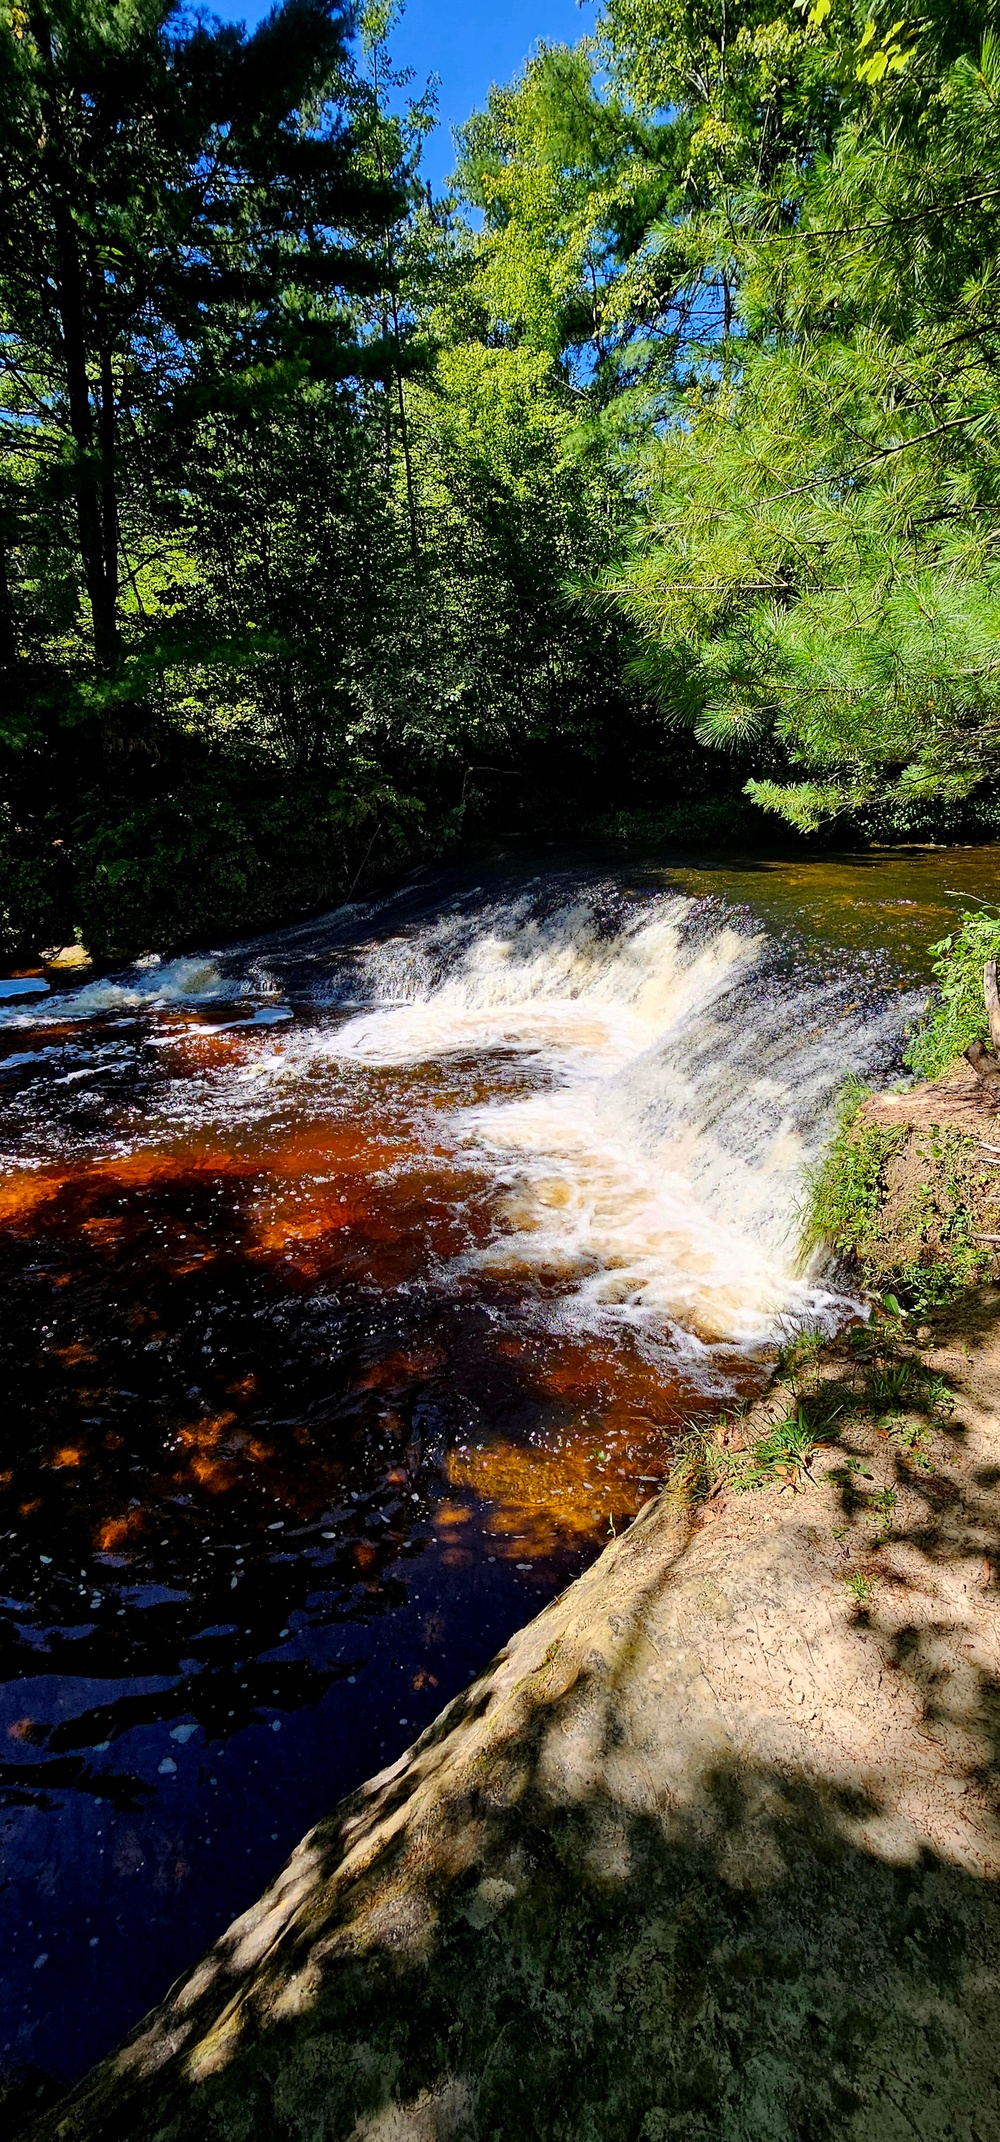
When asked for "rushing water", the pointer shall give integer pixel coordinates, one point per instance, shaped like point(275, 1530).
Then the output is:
point(355, 1283)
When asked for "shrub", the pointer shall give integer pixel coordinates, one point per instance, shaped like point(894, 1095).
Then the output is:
point(844, 1192)
point(36, 905)
point(919, 1225)
point(215, 859)
point(957, 1014)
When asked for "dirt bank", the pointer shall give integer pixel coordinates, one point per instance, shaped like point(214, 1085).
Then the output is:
point(909, 1193)
point(711, 1851)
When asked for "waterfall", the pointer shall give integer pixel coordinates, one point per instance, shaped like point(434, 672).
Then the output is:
point(644, 1079)
point(679, 1073)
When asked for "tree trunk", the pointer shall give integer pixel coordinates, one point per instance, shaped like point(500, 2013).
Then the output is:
point(88, 483)
point(991, 994)
point(109, 492)
point(101, 587)
point(986, 1068)
point(404, 438)
point(390, 277)
point(8, 636)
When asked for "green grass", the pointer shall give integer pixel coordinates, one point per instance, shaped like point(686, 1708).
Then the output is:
point(844, 1192)
point(861, 1589)
point(881, 1510)
point(927, 1253)
point(894, 1387)
point(779, 1455)
point(890, 1388)
point(886, 1387)
point(784, 1450)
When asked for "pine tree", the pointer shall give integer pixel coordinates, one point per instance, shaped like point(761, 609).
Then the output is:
point(816, 571)
point(180, 207)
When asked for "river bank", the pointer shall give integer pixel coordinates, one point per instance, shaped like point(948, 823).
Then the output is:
point(712, 1849)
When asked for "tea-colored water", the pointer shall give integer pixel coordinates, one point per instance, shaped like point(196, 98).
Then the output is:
point(355, 1286)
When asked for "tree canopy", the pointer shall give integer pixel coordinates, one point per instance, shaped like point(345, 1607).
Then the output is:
point(657, 462)
point(764, 238)
point(820, 542)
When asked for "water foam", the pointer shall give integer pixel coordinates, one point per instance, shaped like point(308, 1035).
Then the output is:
point(645, 1081)
point(149, 985)
point(679, 1087)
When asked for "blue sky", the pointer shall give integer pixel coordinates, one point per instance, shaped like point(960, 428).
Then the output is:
point(473, 43)
point(469, 43)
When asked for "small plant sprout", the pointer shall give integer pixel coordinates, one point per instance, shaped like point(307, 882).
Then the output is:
point(914, 1437)
point(881, 1509)
point(860, 1588)
point(937, 1393)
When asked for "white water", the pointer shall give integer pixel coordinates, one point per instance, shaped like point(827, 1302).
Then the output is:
point(151, 984)
point(656, 1165)
point(662, 1075)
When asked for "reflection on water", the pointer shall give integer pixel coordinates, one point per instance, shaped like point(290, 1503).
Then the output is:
point(355, 1283)
point(896, 901)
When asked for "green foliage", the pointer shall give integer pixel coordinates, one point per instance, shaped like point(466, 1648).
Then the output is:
point(815, 1399)
point(905, 1211)
point(844, 1194)
point(725, 820)
point(895, 1384)
point(281, 518)
point(861, 1588)
point(890, 1386)
point(700, 1461)
point(762, 244)
point(711, 1457)
point(784, 1449)
point(957, 1014)
point(815, 549)
point(36, 905)
point(230, 856)
point(676, 427)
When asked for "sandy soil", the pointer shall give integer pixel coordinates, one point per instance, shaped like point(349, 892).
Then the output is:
point(711, 1851)
point(956, 1099)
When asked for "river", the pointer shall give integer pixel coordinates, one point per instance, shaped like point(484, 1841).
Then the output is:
point(357, 1282)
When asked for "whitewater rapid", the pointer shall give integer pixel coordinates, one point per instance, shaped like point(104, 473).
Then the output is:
point(669, 1075)
point(680, 1093)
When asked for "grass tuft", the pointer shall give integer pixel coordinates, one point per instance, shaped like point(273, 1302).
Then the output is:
point(844, 1192)
point(874, 1381)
